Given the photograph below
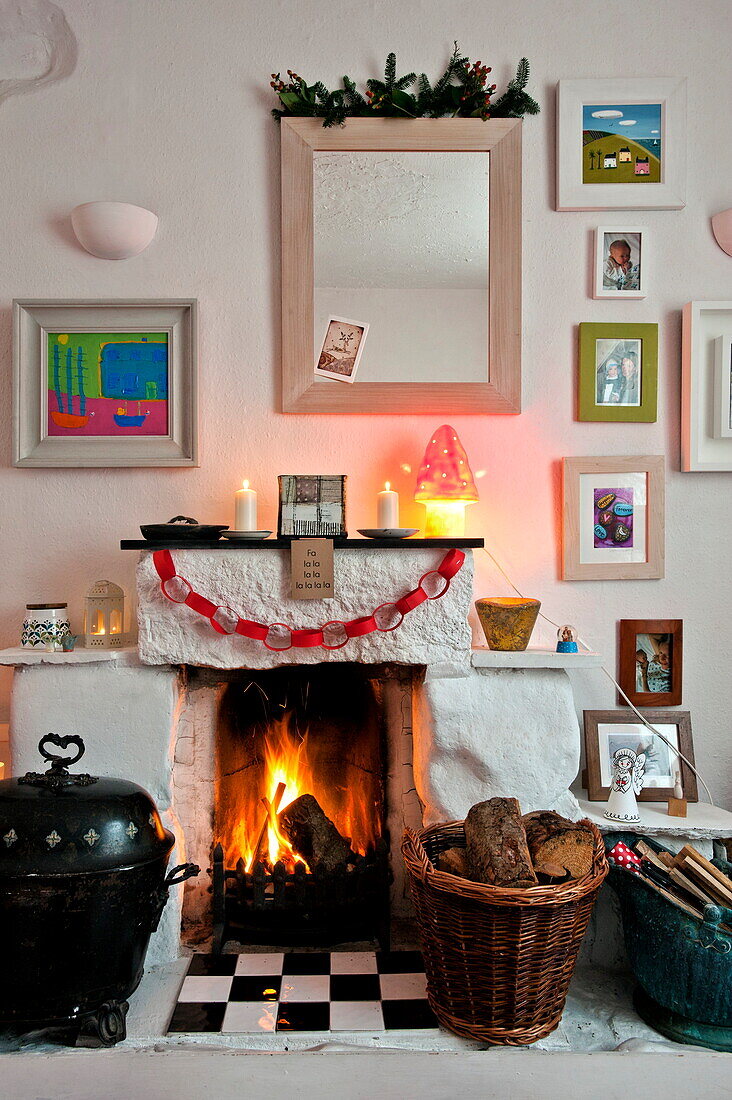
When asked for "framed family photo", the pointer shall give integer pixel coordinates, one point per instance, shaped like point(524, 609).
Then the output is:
point(105, 383)
point(606, 731)
point(341, 350)
point(621, 144)
point(621, 267)
point(650, 662)
point(613, 513)
point(618, 372)
point(706, 386)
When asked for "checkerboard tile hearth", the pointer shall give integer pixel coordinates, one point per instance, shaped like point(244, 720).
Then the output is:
point(299, 991)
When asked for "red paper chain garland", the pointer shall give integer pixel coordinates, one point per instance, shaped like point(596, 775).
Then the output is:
point(222, 617)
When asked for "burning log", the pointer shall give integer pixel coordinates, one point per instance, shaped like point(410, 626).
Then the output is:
point(271, 809)
point(313, 835)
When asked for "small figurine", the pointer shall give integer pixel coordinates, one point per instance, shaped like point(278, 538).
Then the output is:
point(566, 639)
point(627, 782)
point(68, 642)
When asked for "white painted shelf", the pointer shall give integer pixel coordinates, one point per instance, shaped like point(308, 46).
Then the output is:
point(533, 658)
point(703, 821)
point(20, 656)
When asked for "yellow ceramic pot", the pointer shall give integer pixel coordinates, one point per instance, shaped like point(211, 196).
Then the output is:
point(507, 621)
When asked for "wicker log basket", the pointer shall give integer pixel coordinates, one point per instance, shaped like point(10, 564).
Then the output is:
point(498, 960)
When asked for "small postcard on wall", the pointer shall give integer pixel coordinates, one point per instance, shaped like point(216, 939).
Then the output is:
point(312, 569)
point(341, 350)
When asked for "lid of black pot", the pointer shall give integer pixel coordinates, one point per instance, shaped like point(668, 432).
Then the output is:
point(58, 822)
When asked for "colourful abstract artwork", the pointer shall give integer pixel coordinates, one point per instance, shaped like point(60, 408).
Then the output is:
point(613, 518)
point(107, 383)
point(621, 143)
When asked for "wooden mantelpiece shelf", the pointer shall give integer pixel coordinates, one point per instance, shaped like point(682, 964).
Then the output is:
point(284, 544)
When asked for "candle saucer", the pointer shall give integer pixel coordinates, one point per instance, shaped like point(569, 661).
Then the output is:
point(247, 536)
point(387, 532)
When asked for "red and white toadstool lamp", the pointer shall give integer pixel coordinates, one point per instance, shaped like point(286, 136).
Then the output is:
point(445, 484)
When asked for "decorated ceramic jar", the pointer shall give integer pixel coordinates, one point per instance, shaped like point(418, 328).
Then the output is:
point(45, 626)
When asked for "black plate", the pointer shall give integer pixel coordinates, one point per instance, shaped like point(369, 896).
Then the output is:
point(183, 528)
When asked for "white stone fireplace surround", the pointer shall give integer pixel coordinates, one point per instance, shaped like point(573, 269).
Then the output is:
point(470, 733)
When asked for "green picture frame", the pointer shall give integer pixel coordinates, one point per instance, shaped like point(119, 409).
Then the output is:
point(618, 373)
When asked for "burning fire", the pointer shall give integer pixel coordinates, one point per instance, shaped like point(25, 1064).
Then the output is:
point(290, 771)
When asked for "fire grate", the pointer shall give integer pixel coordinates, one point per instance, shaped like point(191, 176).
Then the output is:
point(300, 908)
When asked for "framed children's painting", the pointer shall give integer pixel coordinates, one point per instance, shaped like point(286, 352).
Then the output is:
point(613, 518)
point(621, 263)
point(650, 661)
point(105, 383)
point(606, 731)
point(706, 386)
point(618, 372)
point(621, 144)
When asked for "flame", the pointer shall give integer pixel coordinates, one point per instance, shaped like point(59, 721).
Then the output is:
point(245, 483)
point(288, 761)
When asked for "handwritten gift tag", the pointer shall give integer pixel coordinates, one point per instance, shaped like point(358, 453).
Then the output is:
point(312, 569)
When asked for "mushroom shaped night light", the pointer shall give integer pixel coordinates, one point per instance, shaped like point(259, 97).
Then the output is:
point(445, 484)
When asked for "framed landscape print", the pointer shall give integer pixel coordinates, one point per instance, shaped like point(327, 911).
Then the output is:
point(618, 372)
point(104, 383)
point(621, 144)
point(650, 662)
point(606, 731)
point(706, 386)
point(621, 263)
point(613, 518)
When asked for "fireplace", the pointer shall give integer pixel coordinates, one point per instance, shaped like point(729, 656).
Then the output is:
point(300, 843)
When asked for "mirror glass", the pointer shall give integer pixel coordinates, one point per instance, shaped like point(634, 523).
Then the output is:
point(401, 244)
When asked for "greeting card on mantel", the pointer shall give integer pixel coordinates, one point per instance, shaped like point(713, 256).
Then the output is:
point(312, 569)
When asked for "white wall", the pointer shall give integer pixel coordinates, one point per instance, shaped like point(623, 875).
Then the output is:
point(169, 108)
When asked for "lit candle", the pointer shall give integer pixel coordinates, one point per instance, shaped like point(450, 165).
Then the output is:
point(387, 508)
point(245, 508)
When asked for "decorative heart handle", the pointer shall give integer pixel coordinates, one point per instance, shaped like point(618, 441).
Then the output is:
point(59, 763)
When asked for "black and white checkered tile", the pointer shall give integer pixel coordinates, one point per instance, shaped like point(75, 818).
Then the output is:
point(302, 991)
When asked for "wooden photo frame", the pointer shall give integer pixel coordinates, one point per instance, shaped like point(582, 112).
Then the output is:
point(595, 117)
point(654, 679)
point(500, 139)
point(627, 495)
point(706, 368)
point(604, 732)
point(105, 383)
point(614, 276)
point(618, 373)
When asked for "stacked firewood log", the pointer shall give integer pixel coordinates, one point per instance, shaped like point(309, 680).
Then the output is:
point(505, 848)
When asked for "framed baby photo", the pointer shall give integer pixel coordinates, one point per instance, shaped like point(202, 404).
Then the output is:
point(105, 383)
point(621, 263)
point(621, 144)
point(650, 654)
point(613, 518)
point(606, 731)
point(341, 350)
point(618, 373)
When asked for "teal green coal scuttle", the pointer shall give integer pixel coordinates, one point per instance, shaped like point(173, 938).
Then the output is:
point(683, 965)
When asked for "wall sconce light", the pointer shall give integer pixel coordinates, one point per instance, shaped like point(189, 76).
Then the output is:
point(104, 616)
point(113, 230)
point(722, 229)
point(445, 484)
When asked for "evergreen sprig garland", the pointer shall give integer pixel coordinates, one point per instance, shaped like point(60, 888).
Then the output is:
point(463, 91)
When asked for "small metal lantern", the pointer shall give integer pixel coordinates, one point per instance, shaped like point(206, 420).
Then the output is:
point(104, 616)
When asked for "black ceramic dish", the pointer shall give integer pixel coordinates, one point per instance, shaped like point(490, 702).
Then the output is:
point(183, 528)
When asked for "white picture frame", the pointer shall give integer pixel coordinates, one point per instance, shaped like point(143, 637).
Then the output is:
point(35, 319)
point(706, 328)
point(352, 329)
point(637, 238)
point(723, 387)
point(573, 95)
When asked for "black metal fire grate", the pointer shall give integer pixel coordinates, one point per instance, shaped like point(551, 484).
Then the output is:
point(301, 908)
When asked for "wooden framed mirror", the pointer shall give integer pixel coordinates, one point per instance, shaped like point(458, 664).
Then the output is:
point(413, 229)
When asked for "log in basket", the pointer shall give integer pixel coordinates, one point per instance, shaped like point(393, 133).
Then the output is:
point(498, 960)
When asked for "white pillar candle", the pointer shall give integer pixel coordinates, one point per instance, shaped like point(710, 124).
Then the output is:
point(387, 508)
point(245, 508)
